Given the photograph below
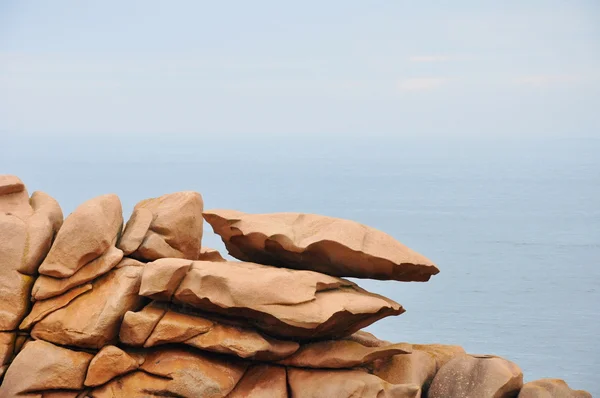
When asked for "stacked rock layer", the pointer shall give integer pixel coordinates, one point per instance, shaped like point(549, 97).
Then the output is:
point(90, 307)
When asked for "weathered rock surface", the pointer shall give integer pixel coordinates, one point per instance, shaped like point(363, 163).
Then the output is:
point(168, 226)
point(551, 388)
point(87, 233)
point(477, 376)
point(27, 229)
point(47, 286)
point(10, 184)
point(340, 354)
point(41, 366)
point(281, 302)
point(109, 363)
point(262, 381)
point(146, 311)
point(93, 319)
point(156, 324)
point(417, 368)
point(176, 372)
point(345, 384)
point(324, 244)
point(441, 352)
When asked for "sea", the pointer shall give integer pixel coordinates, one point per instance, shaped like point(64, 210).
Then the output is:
point(513, 222)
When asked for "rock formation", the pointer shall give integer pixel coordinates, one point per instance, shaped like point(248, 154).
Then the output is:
point(92, 308)
point(324, 244)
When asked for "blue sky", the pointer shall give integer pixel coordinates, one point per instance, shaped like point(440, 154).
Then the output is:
point(274, 67)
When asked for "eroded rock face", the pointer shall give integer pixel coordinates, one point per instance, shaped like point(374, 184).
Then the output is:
point(477, 376)
point(41, 366)
point(345, 384)
point(262, 381)
point(176, 372)
point(109, 363)
point(324, 244)
point(27, 229)
point(441, 352)
point(156, 325)
point(166, 227)
point(341, 354)
point(551, 388)
point(93, 319)
point(281, 302)
point(417, 367)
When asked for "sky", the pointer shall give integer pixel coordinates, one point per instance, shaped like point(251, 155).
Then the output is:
point(300, 68)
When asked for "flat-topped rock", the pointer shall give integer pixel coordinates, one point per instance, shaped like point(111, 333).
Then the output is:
point(328, 245)
point(284, 303)
point(163, 227)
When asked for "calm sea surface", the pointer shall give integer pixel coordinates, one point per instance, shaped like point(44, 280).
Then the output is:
point(514, 224)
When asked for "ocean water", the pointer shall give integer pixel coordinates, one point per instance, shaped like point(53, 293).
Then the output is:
point(513, 223)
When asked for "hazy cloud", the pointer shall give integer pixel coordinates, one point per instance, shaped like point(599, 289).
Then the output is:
point(422, 83)
point(546, 80)
point(428, 58)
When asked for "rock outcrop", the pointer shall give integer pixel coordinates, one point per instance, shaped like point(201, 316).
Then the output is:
point(324, 244)
point(89, 309)
point(305, 305)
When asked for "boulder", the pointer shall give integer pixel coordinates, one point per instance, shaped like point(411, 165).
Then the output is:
point(345, 384)
point(328, 245)
point(156, 325)
point(340, 354)
point(167, 226)
point(86, 234)
point(109, 363)
point(93, 319)
point(481, 376)
point(284, 303)
point(41, 366)
point(551, 388)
